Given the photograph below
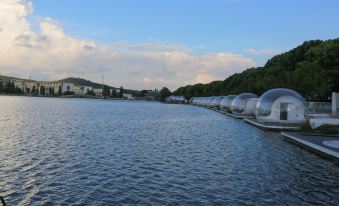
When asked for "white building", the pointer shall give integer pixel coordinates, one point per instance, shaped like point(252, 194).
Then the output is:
point(67, 87)
point(281, 105)
point(98, 92)
point(20, 84)
point(128, 96)
point(82, 90)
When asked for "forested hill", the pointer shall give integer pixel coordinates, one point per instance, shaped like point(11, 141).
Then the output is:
point(312, 69)
point(82, 82)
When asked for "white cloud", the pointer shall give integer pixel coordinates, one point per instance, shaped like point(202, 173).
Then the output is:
point(52, 54)
point(262, 52)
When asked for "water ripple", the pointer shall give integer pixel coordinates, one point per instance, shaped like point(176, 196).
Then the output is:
point(94, 152)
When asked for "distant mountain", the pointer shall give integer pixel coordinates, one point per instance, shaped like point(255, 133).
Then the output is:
point(82, 82)
point(312, 69)
point(11, 78)
point(75, 81)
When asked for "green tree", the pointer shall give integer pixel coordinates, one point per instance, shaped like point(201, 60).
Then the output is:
point(106, 91)
point(143, 92)
point(114, 93)
point(90, 93)
point(60, 91)
point(164, 92)
point(42, 90)
point(121, 93)
point(2, 87)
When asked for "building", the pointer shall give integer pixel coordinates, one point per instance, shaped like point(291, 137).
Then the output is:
point(82, 90)
point(20, 84)
point(176, 99)
point(98, 92)
point(151, 95)
point(128, 96)
point(281, 105)
point(238, 105)
point(67, 87)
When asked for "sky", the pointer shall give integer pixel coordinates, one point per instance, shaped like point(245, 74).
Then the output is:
point(147, 44)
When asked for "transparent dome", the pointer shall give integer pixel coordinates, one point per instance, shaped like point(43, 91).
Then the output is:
point(281, 105)
point(217, 101)
point(250, 107)
point(204, 101)
point(210, 101)
point(226, 102)
point(239, 103)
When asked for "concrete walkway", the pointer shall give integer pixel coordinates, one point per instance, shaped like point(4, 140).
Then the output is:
point(326, 145)
point(268, 126)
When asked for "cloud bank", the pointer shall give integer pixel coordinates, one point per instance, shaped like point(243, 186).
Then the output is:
point(49, 53)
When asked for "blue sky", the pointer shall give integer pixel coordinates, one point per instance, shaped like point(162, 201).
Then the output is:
point(147, 44)
point(206, 25)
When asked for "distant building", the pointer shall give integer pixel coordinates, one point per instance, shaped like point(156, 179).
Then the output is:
point(20, 84)
point(128, 96)
point(82, 90)
point(98, 92)
point(67, 87)
point(151, 95)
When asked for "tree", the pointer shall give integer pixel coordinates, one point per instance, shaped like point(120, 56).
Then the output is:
point(164, 92)
point(90, 93)
point(114, 93)
point(311, 69)
point(51, 91)
point(121, 93)
point(143, 92)
point(42, 90)
point(106, 91)
point(2, 86)
point(18, 90)
point(9, 88)
point(60, 91)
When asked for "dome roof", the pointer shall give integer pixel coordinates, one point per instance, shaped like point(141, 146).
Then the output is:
point(217, 100)
point(239, 103)
point(227, 101)
point(266, 102)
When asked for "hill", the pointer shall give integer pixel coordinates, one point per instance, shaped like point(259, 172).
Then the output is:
point(312, 69)
point(82, 82)
point(15, 78)
point(75, 81)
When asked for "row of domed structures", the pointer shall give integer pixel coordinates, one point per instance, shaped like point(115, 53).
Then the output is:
point(274, 106)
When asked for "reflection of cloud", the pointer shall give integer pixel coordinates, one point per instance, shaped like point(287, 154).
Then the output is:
point(52, 54)
point(262, 52)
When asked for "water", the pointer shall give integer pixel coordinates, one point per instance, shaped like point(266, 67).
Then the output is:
point(95, 152)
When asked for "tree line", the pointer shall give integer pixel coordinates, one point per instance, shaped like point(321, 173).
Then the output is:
point(312, 69)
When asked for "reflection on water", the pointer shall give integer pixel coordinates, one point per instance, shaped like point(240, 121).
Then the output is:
point(96, 152)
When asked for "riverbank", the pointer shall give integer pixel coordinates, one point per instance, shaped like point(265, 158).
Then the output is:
point(321, 144)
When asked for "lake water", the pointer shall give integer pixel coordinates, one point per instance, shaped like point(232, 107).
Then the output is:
point(96, 152)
